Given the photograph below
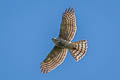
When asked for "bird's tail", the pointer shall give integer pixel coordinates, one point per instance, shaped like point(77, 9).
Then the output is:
point(78, 49)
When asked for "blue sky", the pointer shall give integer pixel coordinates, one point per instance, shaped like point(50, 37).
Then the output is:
point(26, 29)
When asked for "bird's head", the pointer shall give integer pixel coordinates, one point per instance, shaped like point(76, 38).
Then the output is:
point(54, 40)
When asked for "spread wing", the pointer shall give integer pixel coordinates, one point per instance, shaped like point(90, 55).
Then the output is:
point(68, 25)
point(54, 58)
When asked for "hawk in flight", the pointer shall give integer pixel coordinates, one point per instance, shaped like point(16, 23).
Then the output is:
point(63, 43)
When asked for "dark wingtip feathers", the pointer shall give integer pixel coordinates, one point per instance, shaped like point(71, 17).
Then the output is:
point(69, 10)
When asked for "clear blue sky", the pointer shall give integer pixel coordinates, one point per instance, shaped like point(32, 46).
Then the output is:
point(26, 29)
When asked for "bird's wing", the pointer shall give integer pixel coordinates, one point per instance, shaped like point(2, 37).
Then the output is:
point(54, 58)
point(68, 25)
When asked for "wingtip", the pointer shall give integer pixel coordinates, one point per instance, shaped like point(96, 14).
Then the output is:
point(70, 9)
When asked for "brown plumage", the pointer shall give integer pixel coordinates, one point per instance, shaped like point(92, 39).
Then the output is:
point(56, 56)
point(63, 43)
point(68, 25)
point(79, 49)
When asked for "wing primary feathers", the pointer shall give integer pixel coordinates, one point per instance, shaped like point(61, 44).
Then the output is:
point(58, 55)
point(69, 10)
point(68, 25)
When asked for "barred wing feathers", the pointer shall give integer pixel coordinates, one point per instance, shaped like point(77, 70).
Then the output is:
point(79, 49)
point(54, 58)
point(68, 25)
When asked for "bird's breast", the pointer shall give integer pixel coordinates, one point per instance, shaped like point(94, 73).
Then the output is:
point(62, 44)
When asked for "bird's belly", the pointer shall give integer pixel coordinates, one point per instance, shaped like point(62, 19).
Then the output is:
point(62, 44)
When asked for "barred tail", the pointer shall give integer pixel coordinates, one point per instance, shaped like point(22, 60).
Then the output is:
point(78, 49)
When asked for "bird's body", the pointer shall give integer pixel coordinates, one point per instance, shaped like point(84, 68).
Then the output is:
point(61, 43)
point(64, 43)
